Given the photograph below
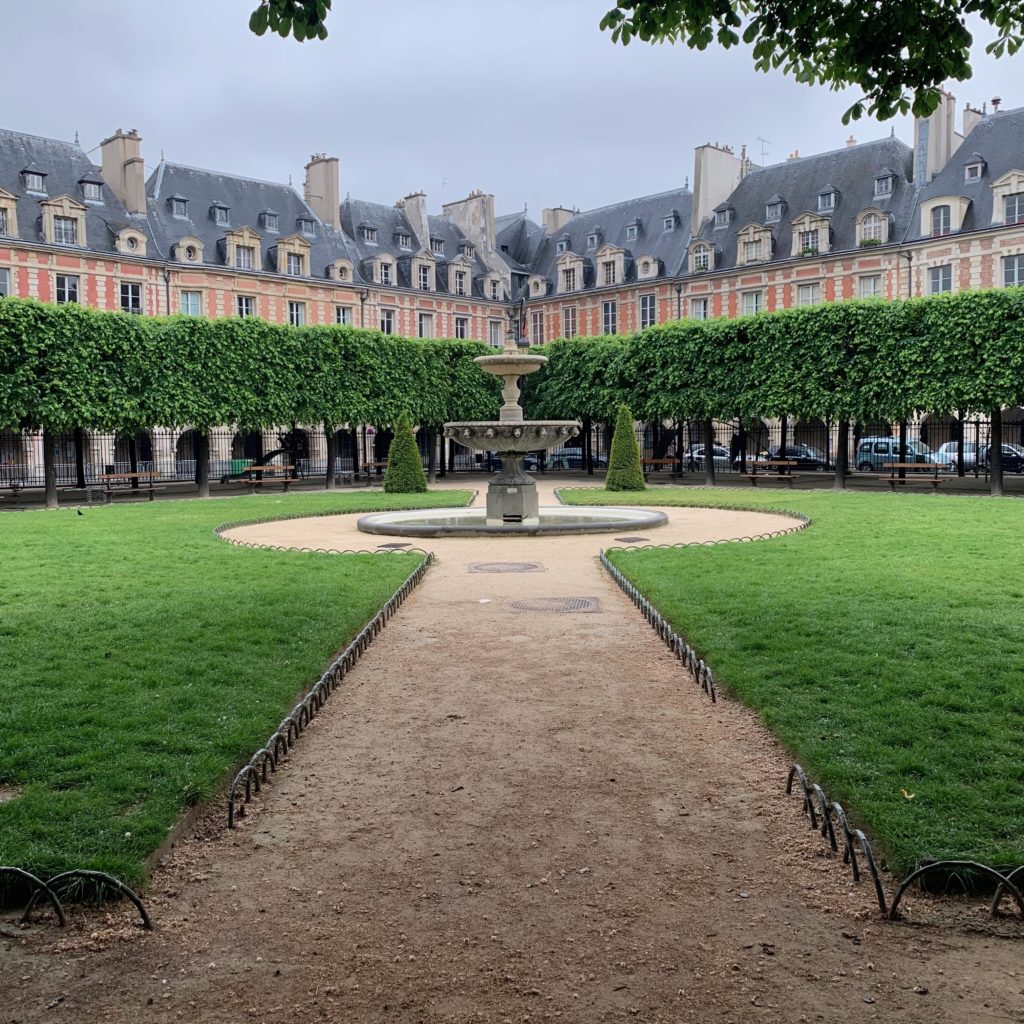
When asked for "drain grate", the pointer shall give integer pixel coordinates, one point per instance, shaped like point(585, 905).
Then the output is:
point(392, 547)
point(557, 604)
point(506, 567)
point(631, 540)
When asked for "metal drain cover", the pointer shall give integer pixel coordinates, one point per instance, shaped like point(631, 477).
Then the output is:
point(506, 567)
point(631, 540)
point(557, 604)
point(391, 547)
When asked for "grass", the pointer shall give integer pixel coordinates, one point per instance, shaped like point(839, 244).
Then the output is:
point(143, 659)
point(884, 646)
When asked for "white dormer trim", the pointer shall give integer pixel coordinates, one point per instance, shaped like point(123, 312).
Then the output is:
point(806, 223)
point(131, 242)
point(648, 267)
point(958, 206)
point(63, 206)
point(568, 261)
point(750, 236)
point(864, 223)
point(340, 270)
point(697, 264)
point(9, 204)
point(1009, 184)
point(537, 286)
point(188, 250)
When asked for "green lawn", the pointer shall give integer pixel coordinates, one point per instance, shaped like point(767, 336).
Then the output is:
point(884, 646)
point(141, 659)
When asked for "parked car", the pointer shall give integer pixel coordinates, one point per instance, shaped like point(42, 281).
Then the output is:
point(695, 457)
point(564, 458)
point(874, 452)
point(802, 454)
point(947, 453)
point(1013, 457)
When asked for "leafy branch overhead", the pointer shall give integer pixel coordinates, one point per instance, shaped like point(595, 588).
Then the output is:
point(304, 19)
point(898, 53)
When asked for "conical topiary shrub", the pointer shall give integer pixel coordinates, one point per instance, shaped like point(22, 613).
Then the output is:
point(625, 472)
point(404, 474)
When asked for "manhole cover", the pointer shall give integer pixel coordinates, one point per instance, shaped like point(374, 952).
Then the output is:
point(557, 604)
point(631, 540)
point(391, 547)
point(506, 567)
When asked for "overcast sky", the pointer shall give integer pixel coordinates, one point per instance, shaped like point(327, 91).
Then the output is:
point(526, 99)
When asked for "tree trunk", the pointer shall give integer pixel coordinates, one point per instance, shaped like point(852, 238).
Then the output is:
point(842, 458)
point(331, 437)
point(709, 452)
point(49, 470)
point(80, 458)
point(203, 462)
point(133, 461)
point(681, 467)
point(783, 434)
point(995, 452)
point(431, 455)
point(903, 448)
point(960, 471)
point(588, 447)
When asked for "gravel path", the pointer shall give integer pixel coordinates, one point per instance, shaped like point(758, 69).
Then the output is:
point(518, 815)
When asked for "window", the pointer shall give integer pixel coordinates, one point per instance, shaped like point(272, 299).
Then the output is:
point(65, 230)
point(368, 234)
point(871, 228)
point(341, 272)
point(495, 289)
point(826, 202)
point(296, 313)
point(494, 335)
point(468, 251)
point(343, 315)
point(424, 278)
point(462, 327)
point(940, 221)
point(752, 251)
point(5, 282)
point(221, 215)
point(608, 272)
point(669, 223)
point(1013, 208)
point(592, 240)
point(295, 264)
point(610, 317)
point(131, 298)
point(131, 243)
point(404, 242)
point(3, 222)
point(387, 321)
point(645, 267)
point(67, 288)
point(307, 226)
point(701, 258)
point(244, 257)
point(568, 321)
point(92, 191)
point(631, 232)
point(751, 303)
point(35, 182)
point(569, 279)
point(940, 279)
point(722, 219)
point(1013, 271)
point(245, 305)
point(699, 309)
point(460, 282)
point(972, 172)
point(425, 325)
point(270, 221)
point(808, 294)
point(809, 243)
point(561, 246)
point(648, 311)
point(179, 207)
point(191, 252)
point(437, 246)
point(883, 186)
point(385, 273)
point(537, 328)
point(871, 286)
point(773, 211)
point(192, 303)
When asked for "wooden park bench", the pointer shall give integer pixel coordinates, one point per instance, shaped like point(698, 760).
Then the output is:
point(127, 481)
point(373, 471)
point(778, 470)
point(670, 466)
point(265, 476)
point(917, 473)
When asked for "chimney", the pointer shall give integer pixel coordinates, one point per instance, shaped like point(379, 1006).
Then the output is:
point(971, 118)
point(474, 216)
point(123, 169)
point(716, 173)
point(555, 218)
point(935, 140)
point(851, 141)
point(322, 190)
point(416, 212)
point(996, 100)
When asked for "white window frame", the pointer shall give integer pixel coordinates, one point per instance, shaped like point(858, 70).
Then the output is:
point(537, 327)
point(631, 232)
point(608, 272)
point(425, 325)
point(609, 317)
point(669, 223)
point(1013, 268)
point(700, 308)
point(245, 306)
point(941, 220)
point(343, 315)
point(387, 321)
point(63, 283)
point(460, 282)
point(883, 185)
point(808, 293)
point(437, 246)
point(92, 192)
point(307, 227)
point(496, 290)
point(809, 242)
point(222, 216)
point(568, 279)
point(701, 259)
point(130, 289)
point(753, 251)
point(826, 202)
point(1017, 217)
point(871, 228)
point(872, 291)
point(561, 246)
point(35, 182)
point(495, 334)
point(188, 299)
point(245, 257)
point(773, 212)
point(722, 218)
point(5, 282)
point(296, 313)
point(385, 273)
point(65, 230)
point(937, 278)
point(570, 322)
point(271, 222)
point(973, 172)
point(753, 302)
point(423, 274)
point(179, 208)
point(592, 240)
point(648, 310)
point(3, 222)
point(462, 327)
point(295, 264)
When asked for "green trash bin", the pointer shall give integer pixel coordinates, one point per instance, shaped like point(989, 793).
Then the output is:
point(239, 465)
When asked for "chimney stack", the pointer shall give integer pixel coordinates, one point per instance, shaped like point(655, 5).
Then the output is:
point(996, 100)
point(555, 218)
point(123, 169)
point(971, 117)
point(935, 140)
point(716, 172)
point(416, 212)
point(474, 217)
point(322, 189)
point(851, 141)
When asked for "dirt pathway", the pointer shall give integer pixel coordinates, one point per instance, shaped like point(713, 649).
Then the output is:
point(517, 815)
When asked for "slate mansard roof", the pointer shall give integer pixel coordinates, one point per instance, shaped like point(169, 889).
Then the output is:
point(247, 200)
point(850, 172)
point(611, 226)
point(999, 141)
point(65, 167)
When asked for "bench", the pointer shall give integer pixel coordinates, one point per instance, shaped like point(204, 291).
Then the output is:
point(128, 481)
point(256, 477)
point(671, 466)
point(778, 471)
point(372, 470)
point(922, 474)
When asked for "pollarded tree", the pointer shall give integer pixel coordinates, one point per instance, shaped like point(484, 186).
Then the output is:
point(625, 472)
point(405, 469)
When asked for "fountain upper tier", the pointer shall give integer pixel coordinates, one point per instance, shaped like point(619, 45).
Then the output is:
point(510, 366)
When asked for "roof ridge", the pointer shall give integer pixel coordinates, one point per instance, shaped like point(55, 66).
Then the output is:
point(228, 174)
point(829, 152)
point(636, 199)
point(44, 138)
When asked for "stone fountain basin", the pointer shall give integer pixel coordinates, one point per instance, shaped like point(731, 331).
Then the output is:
point(530, 436)
point(510, 364)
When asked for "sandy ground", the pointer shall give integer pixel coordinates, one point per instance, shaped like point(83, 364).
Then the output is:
point(513, 815)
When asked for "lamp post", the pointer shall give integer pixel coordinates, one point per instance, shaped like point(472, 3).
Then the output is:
point(363, 296)
point(679, 302)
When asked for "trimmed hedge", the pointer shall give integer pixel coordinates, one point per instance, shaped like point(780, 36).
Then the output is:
point(625, 470)
point(404, 474)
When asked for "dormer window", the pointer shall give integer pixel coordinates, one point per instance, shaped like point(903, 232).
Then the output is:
point(307, 226)
point(404, 242)
point(608, 272)
point(592, 239)
point(35, 181)
point(368, 234)
point(723, 217)
point(1013, 208)
point(701, 259)
point(385, 273)
point(424, 278)
point(753, 251)
point(460, 282)
point(437, 246)
point(973, 172)
point(940, 221)
point(773, 211)
point(495, 289)
point(295, 265)
point(270, 220)
point(871, 229)
point(884, 184)
point(221, 215)
point(179, 207)
point(469, 252)
point(632, 231)
point(561, 246)
point(244, 256)
point(826, 201)
point(65, 230)
point(92, 191)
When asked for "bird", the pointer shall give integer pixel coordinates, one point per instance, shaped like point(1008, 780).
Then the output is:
point(79, 511)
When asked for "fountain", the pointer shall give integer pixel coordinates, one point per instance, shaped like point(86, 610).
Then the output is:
point(512, 505)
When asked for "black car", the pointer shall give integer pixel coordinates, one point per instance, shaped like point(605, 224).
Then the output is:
point(1013, 458)
point(802, 454)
